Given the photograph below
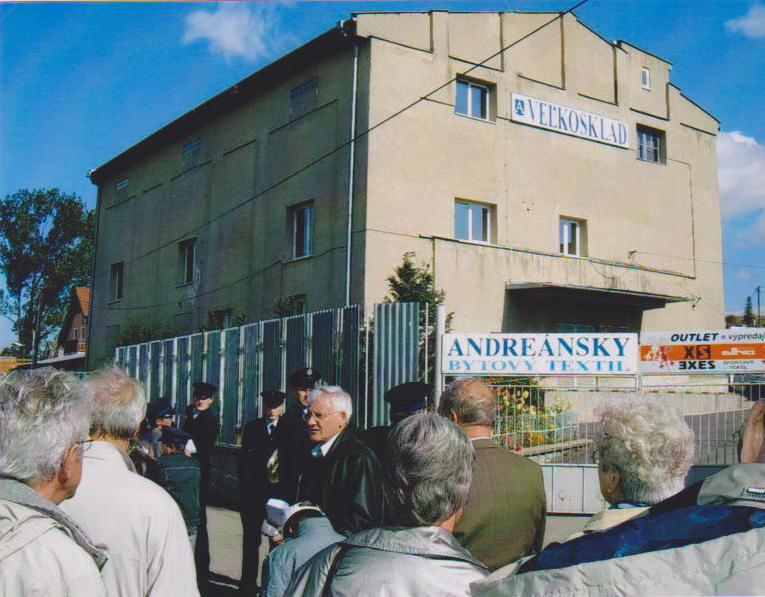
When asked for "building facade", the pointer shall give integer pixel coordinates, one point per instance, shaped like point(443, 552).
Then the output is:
point(552, 180)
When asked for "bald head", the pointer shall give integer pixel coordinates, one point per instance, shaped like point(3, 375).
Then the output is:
point(468, 401)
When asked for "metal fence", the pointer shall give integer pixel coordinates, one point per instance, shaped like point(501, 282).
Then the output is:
point(365, 358)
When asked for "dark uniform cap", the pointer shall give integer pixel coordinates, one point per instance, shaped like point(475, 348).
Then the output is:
point(159, 408)
point(203, 389)
point(303, 379)
point(171, 435)
point(272, 398)
point(407, 397)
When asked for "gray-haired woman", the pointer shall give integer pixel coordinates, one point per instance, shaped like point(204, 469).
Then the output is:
point(644, 450)
point(428, 472)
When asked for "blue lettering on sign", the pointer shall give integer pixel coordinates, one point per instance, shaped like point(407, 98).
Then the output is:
point(519, 107)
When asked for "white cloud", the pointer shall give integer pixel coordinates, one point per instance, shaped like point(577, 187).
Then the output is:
point(237, 30)
point(741, 171)
point(744, 274)
point(751, 25)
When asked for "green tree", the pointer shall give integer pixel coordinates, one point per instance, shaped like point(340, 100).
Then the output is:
point(748, 313)
point(46, 248)
point(412, 282)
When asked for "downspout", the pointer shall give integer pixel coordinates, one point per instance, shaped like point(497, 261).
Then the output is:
point(351, 164)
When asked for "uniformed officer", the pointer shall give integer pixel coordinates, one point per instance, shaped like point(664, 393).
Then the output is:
point(295, 445)
point(259, 480)
point(405, 399)
point(203, 427)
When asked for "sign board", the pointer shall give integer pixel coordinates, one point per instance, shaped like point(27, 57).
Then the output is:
point(569, 121)
point(539, 354)
point(734, 350)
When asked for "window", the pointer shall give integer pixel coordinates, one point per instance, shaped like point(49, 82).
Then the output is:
point(192, 153)
point(472, 99)
point(186, 261)
point(220, 318)
point(301, 221)
point(303, 98)
point(121, 184)
point(645, 77)
point(650, 144)
point(116, 280)
point(472, 221)
point(572, 237)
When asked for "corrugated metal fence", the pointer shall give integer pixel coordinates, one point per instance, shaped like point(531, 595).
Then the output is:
point(246, 359)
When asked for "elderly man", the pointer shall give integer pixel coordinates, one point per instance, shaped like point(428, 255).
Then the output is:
point(712, 546)
point(505, 516)
point(344, 476)
point(149, 550)
point(428, 472)
point(43, 426)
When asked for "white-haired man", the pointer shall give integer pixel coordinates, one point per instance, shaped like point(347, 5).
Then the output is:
point(344, 476)
point(43, 424)
point(149, 550)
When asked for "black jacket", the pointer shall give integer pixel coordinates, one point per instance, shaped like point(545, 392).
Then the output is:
point(294, 450)
point(346, 484)
point(258, 446)
point(204, 431)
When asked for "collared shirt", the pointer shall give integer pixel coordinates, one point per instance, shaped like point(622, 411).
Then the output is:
point(149, 551)
point(325, 447)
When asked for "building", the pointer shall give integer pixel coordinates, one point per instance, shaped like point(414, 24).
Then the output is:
point(552, 179)
point(70, 349)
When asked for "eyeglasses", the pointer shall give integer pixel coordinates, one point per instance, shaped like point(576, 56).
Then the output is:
point(84, 444)
point(309, 414)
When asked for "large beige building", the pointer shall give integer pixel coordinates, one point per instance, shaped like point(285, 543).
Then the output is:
point(553, 180)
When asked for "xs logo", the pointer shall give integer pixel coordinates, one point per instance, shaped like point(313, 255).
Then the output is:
point(697, 353)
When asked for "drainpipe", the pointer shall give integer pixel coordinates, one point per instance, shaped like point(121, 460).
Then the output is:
point(352, 147)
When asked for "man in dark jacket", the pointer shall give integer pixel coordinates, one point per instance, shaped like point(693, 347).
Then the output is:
point(259, 480)
point(203, 427)
point(405, 400)
point(505, 516)
point(344, 477)
point(294, 443)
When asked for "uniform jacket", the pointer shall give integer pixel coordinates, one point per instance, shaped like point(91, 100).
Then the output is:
point(714, 548)
point(401, 562)
point(294, 450)
point(505, 516)
point(179, 476)
point(346, 484)
point(313, 535)
point(204, 431)
point(141, 525)
point(42, 552)
point(257, 447)
point(376, 438)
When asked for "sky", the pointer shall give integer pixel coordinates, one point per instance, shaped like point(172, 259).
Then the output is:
point(82, 82)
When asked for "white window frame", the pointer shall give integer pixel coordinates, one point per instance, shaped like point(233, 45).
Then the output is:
point(486, 93)
point(650, 144)
point(565, 226)
point(186, 266)
point(121, 184)
point(117, 280)
point(473, 209)
point(304, 231)
point(645, 77)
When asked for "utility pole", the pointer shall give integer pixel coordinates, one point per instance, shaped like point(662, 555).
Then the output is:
point(757, 290)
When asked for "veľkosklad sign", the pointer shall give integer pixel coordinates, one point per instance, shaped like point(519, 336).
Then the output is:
point(539, 354)
point(569, 121)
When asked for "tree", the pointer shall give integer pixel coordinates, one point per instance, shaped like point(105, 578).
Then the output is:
point(748, 313)
point(46, 248)
point(411, 282)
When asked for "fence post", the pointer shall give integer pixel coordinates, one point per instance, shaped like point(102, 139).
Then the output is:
point(440, 331)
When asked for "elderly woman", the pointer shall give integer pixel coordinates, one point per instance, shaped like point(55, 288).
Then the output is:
point(644, 450)
point(428, 472)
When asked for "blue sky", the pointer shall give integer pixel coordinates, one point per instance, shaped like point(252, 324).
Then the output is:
point(81, 82)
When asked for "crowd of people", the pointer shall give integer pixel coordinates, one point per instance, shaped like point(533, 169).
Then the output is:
point(101, 494)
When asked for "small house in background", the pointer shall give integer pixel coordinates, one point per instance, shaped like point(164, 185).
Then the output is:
point(72, 343)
